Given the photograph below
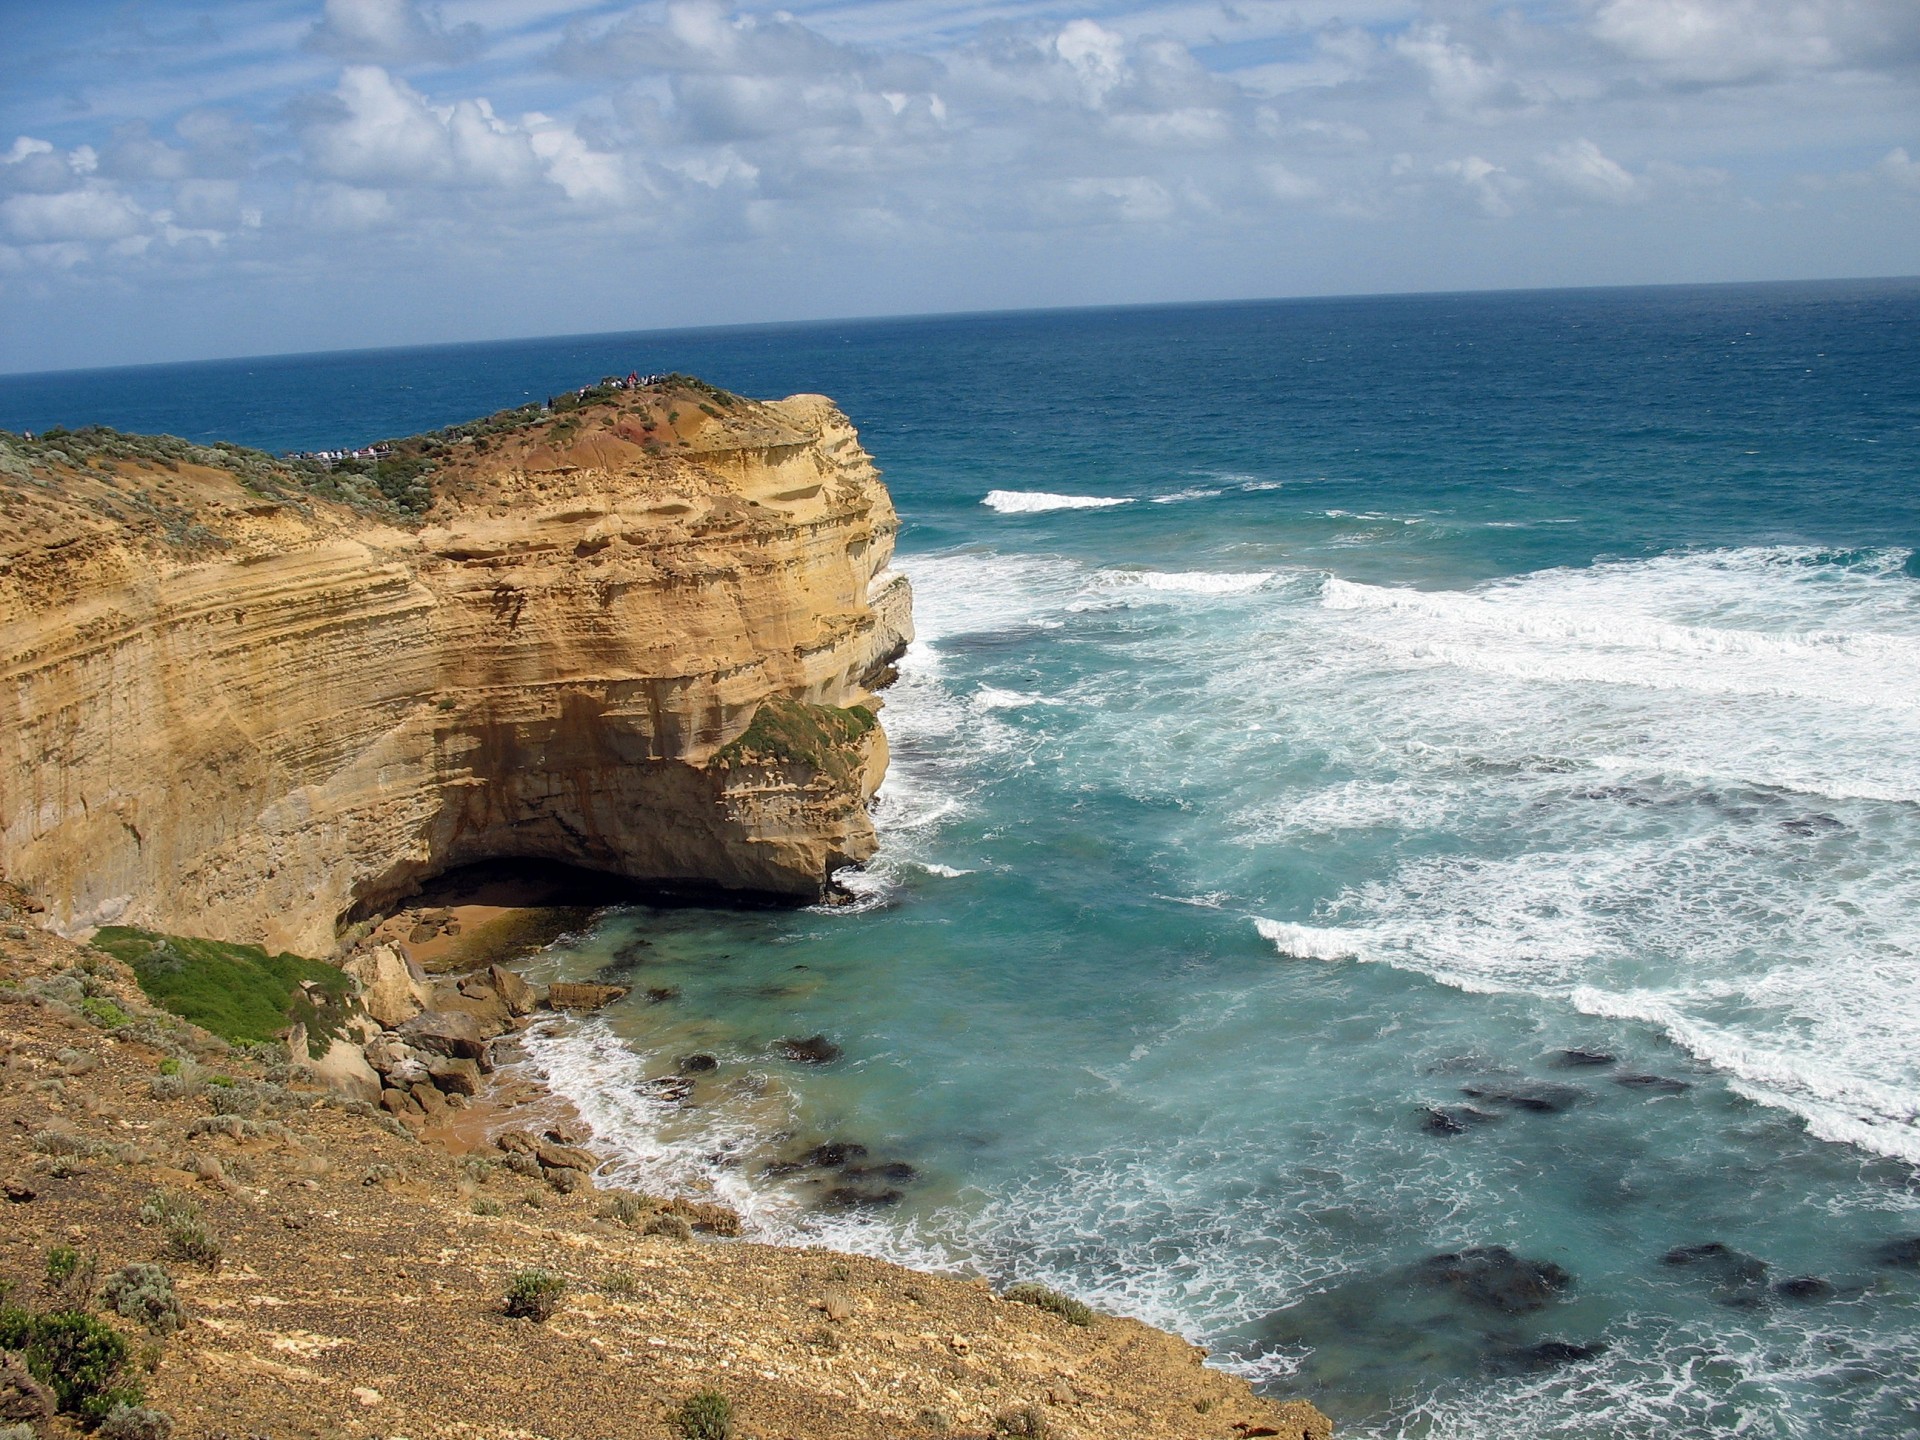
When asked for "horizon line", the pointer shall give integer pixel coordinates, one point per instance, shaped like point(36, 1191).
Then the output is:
point(931, 315)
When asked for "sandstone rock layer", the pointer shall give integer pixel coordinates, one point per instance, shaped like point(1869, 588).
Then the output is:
point(233, 708)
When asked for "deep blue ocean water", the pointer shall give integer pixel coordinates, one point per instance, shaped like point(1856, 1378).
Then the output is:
point(1380, 779)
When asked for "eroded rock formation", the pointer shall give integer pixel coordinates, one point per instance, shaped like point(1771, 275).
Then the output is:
point(636, 638)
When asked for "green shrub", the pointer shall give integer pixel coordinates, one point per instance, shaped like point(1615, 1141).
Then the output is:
point(239, 992)
point(188, 1237)
point(62, 1262)
point(820, 737)
point(535, 1295)
point(104, 1013)
point(82, 1358)
point(619, 1284)
point(1045, 1298)
point(706, 1415)
point(170, 1065)
point(486, 1205)
point(137, 1422)
point(144, 1293)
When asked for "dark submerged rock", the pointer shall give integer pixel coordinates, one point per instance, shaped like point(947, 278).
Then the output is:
point(1581, 1059)
point(1453, 1119)
point(897, 1172)
point(661, 994)
point(1545, 1355)
point(1901, 1254)
point(1738, 1280)
point(814, 1050)
point(697, 1065)
point(1653, 1084)
point(834, 1155)
point(1494, 1277)
point(849, 1197)
point(1541, 1098)
point(1808, 1289)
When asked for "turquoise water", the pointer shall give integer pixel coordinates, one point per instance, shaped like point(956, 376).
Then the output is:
point(1465, 794)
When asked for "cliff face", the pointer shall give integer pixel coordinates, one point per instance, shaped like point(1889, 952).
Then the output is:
point(636, 638)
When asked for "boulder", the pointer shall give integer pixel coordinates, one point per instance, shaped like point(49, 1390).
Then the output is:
point(518, 996)
point(390, 991)
point(449, 1033)
point(563, 1157)
point(393, 1058)
point(813, 1050)
point(456, 1077)
point(345, 1069)
point(428, 1099)
point(22, 1398)
point(577, 995)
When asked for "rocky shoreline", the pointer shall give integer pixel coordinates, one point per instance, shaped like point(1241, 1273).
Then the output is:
point(358, 1256)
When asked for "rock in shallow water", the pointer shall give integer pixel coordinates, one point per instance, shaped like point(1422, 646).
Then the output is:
point(1494, 1277)
point(1539, 1098)
point(1454, 1119)
point(1581, 1059)
point(1901, 1254)
point(1737, 1280)
point(1546, 1355)
point(814, 1050)
point(1808, 1289)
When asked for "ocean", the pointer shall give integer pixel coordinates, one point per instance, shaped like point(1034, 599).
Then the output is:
point(1402, 856)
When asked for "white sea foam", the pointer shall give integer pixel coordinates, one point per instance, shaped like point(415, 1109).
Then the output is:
point(1185, 582)
point(1310, 942)
point(663, 1148)
point(1034, 502)
point(1180, 496)
point(946, 872)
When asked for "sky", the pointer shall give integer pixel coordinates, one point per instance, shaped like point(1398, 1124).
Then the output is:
point(182, 180)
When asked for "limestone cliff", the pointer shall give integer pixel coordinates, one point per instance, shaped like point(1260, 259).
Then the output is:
point(254, 699)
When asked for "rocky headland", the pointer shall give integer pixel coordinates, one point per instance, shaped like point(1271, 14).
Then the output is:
point(262, 699)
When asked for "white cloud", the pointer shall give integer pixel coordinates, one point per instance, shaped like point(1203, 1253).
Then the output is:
point(1492, 188)
point(376, 130)
point(96, 212)
point(348, 208)
point(1710, 41)
point(390, 32)
point(1459, 81)
point(1579, 166)
point(25, 147)
point(1898, 169)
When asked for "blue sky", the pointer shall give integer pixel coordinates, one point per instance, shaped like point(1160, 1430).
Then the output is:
point(180, 180)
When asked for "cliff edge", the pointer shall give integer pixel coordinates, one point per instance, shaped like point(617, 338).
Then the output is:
point(257, 698)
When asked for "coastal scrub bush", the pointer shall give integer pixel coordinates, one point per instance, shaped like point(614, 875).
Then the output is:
point(144, 1293)
point(1044, 1297)
point(239, 992)
point(70, 1275)
point(487, 1205)
point(535, 1295)
point(619, 1284)
point(791, 731)
point(705, 1415)
point(81, 1357)
point(104, 1013)
point(1025, 1423)
point(137, 1422)
point(187, 1236)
